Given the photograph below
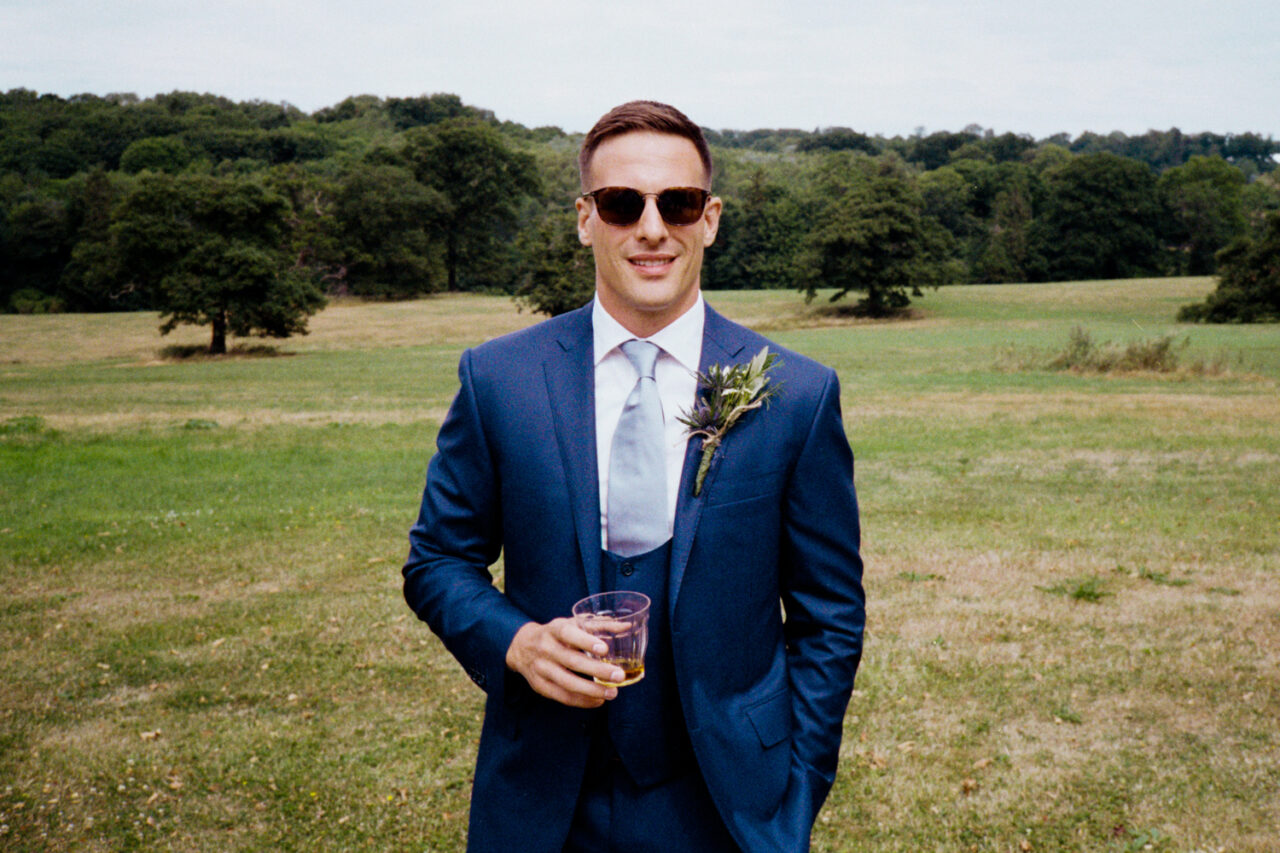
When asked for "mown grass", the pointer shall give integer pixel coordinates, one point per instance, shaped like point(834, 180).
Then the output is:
point(1074, 619)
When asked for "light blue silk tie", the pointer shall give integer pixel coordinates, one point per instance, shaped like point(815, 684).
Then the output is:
point(637, 463)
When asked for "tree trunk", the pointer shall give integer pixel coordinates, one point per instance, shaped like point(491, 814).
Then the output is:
point(218, 346)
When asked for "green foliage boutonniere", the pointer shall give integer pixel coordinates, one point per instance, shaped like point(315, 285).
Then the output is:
point(727, 393)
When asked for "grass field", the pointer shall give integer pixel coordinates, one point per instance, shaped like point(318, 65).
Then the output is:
point(1073, 581)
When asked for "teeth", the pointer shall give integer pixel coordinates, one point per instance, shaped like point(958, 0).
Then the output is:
point(648, 263)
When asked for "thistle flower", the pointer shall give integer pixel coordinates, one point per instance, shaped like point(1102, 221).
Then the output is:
point(725, 395)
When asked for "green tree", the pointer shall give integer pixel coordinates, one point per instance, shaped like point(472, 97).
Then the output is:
point(313, 235)
point(1009, 146)
point(558, 274)
point(483, 182)
point(934, 150)
point(1006, 257)
point(1100, 219)
point(761, 233)
point(877, 240)
point(209, 252)
point(369, 108)
point(1252, 149)
point(38, 237)
point(427, 109)
point(1203, 198)
point(1049, 159)
point(62, 153)
point(389, 231)
point(838, 139)
point(157, 154)
point(91, 280)
point(1259, 199)
point(952, 196)
point(1248, 282)
point(1006, 198)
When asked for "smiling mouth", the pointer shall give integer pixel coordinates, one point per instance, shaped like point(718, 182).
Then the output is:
point(651, 262)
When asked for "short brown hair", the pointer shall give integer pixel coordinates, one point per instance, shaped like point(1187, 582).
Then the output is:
point(642, 115)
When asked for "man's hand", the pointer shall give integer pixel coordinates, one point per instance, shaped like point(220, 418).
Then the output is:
point(551, 656)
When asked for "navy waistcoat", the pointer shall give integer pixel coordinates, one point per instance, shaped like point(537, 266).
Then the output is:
point(646, 725)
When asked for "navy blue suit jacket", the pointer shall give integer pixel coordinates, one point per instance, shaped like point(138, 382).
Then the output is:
point(763, 688)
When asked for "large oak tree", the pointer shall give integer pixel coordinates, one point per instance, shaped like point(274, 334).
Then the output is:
point(210, 251)
point(875, 239)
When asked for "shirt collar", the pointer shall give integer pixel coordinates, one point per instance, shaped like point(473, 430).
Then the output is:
point(681, 338)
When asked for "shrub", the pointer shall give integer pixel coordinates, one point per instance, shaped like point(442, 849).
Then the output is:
point(32, 301)
point(1249, 282)
point(1083, 354)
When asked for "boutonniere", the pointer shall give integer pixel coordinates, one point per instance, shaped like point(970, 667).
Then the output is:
point(726, 394)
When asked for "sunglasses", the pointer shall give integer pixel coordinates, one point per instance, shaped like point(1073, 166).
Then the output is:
point(625, 206)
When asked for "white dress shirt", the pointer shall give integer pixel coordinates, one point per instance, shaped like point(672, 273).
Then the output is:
point(680, 345)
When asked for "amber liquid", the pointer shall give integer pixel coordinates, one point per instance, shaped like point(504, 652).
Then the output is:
point(632, 671)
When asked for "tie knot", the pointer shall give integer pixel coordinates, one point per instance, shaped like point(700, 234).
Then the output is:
point(643, 355)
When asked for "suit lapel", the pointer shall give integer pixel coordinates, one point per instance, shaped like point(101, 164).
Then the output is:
point(720, 345)
point(569, 373)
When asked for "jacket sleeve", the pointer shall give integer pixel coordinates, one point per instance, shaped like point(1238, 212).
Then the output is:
point(821, 587)
point(456, 538)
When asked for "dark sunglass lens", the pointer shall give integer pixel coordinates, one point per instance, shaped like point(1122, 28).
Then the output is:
point(619, 205)
point(625, 206)
point(681, 206)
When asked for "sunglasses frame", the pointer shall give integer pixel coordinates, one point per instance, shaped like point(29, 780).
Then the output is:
point(706, 197)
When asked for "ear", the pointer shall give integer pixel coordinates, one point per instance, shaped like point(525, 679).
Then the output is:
point(711, 220)
point(584, 213)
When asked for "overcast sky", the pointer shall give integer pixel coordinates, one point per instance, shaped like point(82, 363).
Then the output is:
point(887, 68)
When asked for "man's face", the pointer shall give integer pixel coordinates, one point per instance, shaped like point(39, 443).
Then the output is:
point(647, 273)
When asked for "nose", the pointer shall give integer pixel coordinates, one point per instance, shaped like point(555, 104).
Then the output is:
point(651, 226)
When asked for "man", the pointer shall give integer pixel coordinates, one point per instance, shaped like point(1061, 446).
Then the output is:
point(731, 739)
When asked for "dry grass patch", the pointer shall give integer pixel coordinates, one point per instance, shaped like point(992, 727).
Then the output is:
point(1022, 407)
point(460, 319)
point(1129, 296)
point(239, 419)
point(48, 339)
point(983, 696)
point(833, 317)
point(66, 338)
point(1115, 463)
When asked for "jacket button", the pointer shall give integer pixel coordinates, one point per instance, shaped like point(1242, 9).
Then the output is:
point(628, 569)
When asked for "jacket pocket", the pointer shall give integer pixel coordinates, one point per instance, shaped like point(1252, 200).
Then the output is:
point(771, 718)
point(744, 486)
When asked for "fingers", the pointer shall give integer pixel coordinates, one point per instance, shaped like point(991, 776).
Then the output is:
point(553, 659)
point(572, 634)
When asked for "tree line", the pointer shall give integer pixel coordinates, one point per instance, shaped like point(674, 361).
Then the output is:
point(246, 215)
